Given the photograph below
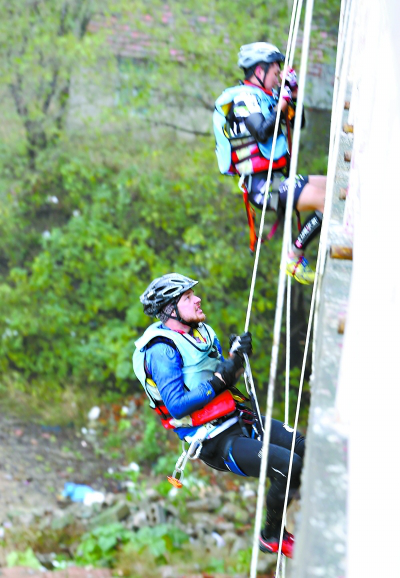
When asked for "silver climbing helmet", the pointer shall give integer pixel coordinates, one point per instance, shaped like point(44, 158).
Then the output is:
point(251, 54)
point(164, 290)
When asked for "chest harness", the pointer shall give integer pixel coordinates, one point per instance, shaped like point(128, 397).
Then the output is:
point(238, 152)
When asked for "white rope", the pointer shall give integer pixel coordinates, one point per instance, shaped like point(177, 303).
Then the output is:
point(282, 277)
point(281, 289)
point(296, 420)
point(337, 127)
point(288, 219)
point(295, 33)
point(267, 184)
point(288, 336)
point(332, 161)
point(289, 284)
point(339, 89)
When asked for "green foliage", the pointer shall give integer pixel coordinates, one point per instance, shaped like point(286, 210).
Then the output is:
point(42, 45)
point(92, 207)
point(85, 277)
point(166, 463)
point(99, 546)
point(151, 444)
point(243, 560)
point(158, 541)
point(26, 559)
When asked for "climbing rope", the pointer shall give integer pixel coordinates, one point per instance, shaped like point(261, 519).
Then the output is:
point(346, 25)
point(282, 278)
point(267, 184)
point(288, 335)
point(248, 375)
point(336, 124)
point(281, 289)
point(286, 244)
point(333, 156)
point(289, 281)
point(339, 91)
point(292, 46)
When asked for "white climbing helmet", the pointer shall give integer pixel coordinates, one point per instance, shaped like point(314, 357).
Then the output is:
point(251, 54)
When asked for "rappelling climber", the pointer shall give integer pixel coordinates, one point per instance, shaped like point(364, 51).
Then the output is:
point(178, 360)
point(244, 122)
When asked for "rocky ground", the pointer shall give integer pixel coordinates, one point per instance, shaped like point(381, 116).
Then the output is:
point(37, 460)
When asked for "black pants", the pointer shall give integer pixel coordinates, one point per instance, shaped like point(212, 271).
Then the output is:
point(247, 452)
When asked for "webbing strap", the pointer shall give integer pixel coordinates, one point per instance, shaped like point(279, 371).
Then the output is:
point(250, 219)
point(250, 212)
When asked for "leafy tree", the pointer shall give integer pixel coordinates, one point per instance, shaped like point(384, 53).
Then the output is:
point(42, 44)
point(91, 212)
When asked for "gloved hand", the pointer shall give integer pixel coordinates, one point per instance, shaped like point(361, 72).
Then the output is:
point(240, 344)
point(229, 372)
point(291, 78)
point(218, 385)
point(287, 94)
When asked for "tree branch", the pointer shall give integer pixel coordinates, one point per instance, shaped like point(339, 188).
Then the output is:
point(16, 93)
point(187, 130)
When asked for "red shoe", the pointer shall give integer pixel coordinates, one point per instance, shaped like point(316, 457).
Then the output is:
point(271, 545)
point(287, 544)
point(268, 545)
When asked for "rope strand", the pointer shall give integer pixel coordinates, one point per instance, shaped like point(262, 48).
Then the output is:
point(332, 161)
point(281, 288)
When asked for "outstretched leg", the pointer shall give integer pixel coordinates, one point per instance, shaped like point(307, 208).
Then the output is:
point(310, 198)
point(248, 453)
point(235, 452)
point(309, 195)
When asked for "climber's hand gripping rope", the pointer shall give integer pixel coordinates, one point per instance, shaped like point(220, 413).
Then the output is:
point(242, 346)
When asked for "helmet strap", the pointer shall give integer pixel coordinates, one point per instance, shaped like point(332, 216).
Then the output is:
point(191, 324)
point(259, 79)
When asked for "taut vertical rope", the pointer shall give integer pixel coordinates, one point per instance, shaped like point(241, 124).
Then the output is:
point(339, 91)
point(281, 289)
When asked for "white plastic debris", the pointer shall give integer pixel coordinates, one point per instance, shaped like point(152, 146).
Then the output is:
point(93, 498)
point(218, 539)
point(94, 413)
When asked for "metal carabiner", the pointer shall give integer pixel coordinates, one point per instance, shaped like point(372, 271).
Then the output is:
point(192, 453)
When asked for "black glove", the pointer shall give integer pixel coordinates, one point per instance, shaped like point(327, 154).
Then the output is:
point(218, 385)
point(228, 370)
point(244, 344)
